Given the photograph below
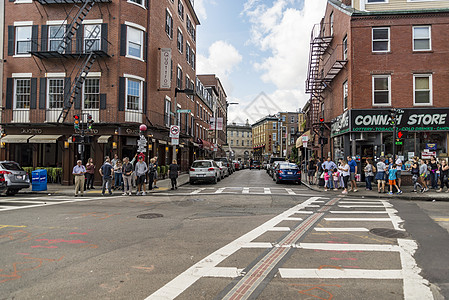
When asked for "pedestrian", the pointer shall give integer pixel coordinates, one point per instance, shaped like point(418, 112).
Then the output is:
point(329, 165)
point(398, 163)
point(326, 179)
point(90, 173)
point(369, 174)
point(141, 170)
point(106, 172)
point(414, 170)
point(118, 175)
point(319, 170)
point(78, 171)
point(433, 168)
point(380, 176)
point(444, 176)
point(114, 160)
point(127, 174)
point(345, 172)
point(392, 179)
point(151, 172)
point(353, 171)
point(311, 171)
point(156, 173)
point(173, 172)
point(423, 175)
point(336, 176)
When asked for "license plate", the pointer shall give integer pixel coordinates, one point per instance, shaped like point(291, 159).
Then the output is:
point(289, 173)
point(201, 175)
point(20, 177)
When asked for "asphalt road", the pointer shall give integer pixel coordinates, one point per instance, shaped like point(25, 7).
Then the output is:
point(244, 238)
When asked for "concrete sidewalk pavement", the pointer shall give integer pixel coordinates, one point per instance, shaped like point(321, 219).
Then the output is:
point(58, 189)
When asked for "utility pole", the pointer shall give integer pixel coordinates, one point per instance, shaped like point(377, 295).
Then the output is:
point(393, 121)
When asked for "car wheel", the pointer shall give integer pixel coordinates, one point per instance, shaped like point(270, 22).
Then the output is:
point(11, 192)
point(192, 181)
point(278, 181)
point(215, 180)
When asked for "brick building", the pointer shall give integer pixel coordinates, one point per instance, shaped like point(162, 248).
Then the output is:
point(240, 141)
point(369, 56)
point(119, 61)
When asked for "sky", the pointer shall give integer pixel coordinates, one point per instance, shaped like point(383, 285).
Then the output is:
point(260, 51)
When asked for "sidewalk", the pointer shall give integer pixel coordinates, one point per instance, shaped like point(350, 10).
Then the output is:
point(57, 189)
point(406, 195)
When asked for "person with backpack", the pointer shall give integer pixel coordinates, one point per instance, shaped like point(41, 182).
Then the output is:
point(106, 172)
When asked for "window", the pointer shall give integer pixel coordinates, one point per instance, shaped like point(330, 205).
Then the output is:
point(181, 9)
point(139, 2)
point(92, 93)
point(247, 143)
point(331, 21)
point(167, 111)
point(376, 1)
point(133, 94)
point(22, 93)
point(192, 121)
point(274, 125)
point(92, 37)
point(169, 24)
point(292, 119)
point(232, 133)
point(283, 118)
point(192, 58)
point(232, 142)
point(345, 95)
point(179, 78)
point(180, 41)
point(292, 141)
point(187, 123)
point(55, 94)
point(381, 39)
point(421, 38)
point(274, 137)
point(381, 90)
point(345, 47)
point(55, 35)
point(135, 42)
point(188, 53)
point(422, 87)
point(189, 25)
point(237, 142)
point(292, 130)
point(23, 39)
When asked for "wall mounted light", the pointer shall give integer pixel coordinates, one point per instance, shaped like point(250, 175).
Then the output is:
point(166, 149)
point(114, 145)
point(66, 144)
point(177, 150)
point(116, 131)
point(150, 147)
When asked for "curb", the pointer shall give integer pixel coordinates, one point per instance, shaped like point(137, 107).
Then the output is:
point(383, 196)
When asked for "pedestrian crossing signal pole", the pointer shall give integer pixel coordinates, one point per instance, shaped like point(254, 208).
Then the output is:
point(393, 122)
point(321, 139)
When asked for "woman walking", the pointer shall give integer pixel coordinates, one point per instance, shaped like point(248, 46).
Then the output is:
point(433, 168)
point(90, 171)
point(344, 169)
point(152, 173)
point(369, 174)
point(444, 174)
point(173, 171)
point(414, 170)
point(118, 175)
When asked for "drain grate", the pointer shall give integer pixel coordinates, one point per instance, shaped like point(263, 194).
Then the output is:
point(389, 233)
point(150, 216)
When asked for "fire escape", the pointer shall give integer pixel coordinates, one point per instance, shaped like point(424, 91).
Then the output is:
point(88, 49)
point(325, 62)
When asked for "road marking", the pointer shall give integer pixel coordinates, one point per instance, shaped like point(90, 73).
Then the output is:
point(197, 191)
point(183, 281)
point(245, 190)
point(293, 219)
point(266, 191)
point(361, 206)
point(257, 245)
point(396, 220)
point(304, 212)
point(290, 192)
point(357, 212)
point(219, 191)
point(441, 219)
point(221, 272)
point(359, 219)
point(349, 247)
point(279, 229)
point(341, 229)
point(357, 202)
point(340, 273)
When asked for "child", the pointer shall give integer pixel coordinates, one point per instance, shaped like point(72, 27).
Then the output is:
point(392, 179)
point(336, 176)
point(326, 179)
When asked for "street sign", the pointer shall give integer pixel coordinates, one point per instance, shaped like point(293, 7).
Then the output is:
point(175, 141)
point(183, 111)
point(142, 144)
point(174, 131)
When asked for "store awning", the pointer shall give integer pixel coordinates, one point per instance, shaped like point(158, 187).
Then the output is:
point(44, 139)
point(16, 139)
point(103, 139)
point(205, 144)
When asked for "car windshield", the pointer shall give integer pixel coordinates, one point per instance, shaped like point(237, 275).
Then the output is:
point(288, 166)
point(12, 166)
point(201, 164)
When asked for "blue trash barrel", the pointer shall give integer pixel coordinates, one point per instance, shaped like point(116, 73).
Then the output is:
point(39, 180)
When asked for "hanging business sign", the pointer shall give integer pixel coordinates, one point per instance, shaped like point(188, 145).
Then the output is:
point(411, 119)
point(165, 80)
point(340, 124)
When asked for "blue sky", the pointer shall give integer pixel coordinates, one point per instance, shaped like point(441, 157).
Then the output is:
point(259, 49)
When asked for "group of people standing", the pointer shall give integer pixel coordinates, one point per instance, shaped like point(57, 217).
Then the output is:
point(126, 174)
point(386, 171)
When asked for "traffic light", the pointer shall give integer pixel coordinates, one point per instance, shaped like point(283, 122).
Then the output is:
point(393, 116)
point(401, 134)
point(90, 122)
point(322, 125)
point(323, 140)
point(77, 139)
point(76, 122)
point(322, 120)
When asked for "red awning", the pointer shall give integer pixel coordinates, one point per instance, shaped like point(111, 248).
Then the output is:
point(205, 144)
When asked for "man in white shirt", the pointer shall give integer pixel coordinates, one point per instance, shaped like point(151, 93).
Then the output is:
point(399, 169)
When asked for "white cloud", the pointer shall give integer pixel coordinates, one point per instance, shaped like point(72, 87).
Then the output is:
point(222, 60)
point(200, 9)
point(284, 32)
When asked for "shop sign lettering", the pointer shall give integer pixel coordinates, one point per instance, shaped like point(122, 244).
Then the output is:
point(31, 131)
point(378, 120)
point(340, 124)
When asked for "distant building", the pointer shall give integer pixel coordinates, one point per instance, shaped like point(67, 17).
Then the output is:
point(240, 141)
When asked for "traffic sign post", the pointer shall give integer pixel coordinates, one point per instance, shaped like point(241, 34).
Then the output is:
point(174, 131)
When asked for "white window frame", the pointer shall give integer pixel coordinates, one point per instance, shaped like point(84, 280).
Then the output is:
point(48, 92)
point(378, 2)
point(430, 38)
point(171, 25)
point(84, 92)
point(346, 95)
point(135, 3)
point(128, 27)
point(274, 136)
point(345, 47)
point(140, 80)
point(183, 9)
point(16, 27)
point(430, 89)
point(389, 90)
point(274, 125)
point(167, 112)
point(98, 38)
point(331, 21)
point(55, 24)
point(180, 44)
point(372, 40)
point(15, 93)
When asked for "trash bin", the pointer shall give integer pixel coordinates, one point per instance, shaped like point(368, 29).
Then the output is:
point(39, 180)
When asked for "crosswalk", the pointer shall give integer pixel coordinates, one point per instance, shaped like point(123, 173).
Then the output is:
point(243, 190)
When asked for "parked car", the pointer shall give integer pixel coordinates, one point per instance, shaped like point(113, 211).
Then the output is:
point(2, 183)
point(15, 177)
point(270, 164)
point(224, 171)
point(255, 165)
point(227, 162)
point(287, 172)
point(274, 165)
point(237, 165)
point(204, 170)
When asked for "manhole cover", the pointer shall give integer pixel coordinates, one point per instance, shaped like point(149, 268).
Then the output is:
point(150, 216)
point(389, 233)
